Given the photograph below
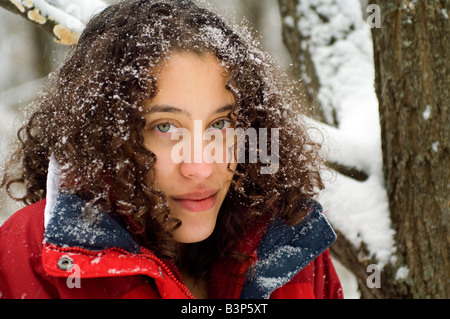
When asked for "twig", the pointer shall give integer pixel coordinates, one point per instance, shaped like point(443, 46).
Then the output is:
point(62, 34)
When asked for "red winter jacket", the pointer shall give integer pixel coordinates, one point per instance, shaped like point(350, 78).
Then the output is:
point(83, 258)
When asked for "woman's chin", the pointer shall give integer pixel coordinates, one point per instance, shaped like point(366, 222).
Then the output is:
point(188, 234)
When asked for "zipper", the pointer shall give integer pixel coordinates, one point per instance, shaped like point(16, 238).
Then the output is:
point(85, 251)
point(171, 274)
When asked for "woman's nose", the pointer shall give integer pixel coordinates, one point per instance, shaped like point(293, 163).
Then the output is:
point(197, 166)
point(196, 163)
point(197, 170)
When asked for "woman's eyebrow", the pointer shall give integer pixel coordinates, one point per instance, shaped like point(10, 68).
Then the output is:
point(226, 108)
point(173, 109)
point(165, 109)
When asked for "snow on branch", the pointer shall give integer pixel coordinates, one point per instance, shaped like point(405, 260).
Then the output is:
point(64, 19)
point(340, 44)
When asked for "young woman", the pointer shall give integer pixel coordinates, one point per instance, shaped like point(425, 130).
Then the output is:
point(138, 184)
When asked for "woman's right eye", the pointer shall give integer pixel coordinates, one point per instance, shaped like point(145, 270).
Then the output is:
point(165, 127)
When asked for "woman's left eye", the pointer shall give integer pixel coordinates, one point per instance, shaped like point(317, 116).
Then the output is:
point(221, 124)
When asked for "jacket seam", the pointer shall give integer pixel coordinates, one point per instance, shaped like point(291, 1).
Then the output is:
point(145, 254)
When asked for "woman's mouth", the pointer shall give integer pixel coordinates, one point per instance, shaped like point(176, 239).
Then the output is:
point(197, 201)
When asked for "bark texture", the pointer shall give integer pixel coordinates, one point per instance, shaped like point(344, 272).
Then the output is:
point(412, 83)
point(302, 64)
point(411, 54)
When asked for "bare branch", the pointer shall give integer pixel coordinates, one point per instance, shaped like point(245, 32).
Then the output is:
point(348, 171)
point(61, 33)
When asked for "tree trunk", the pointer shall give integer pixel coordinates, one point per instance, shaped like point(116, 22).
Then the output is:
point(302, 64)
point(412, 84)
point(411, 51)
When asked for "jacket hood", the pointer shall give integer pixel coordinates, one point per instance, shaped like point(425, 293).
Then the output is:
point(282, 251)
point(69, 221)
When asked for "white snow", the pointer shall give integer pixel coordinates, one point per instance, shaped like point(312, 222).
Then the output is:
point(289, 21)
point(73, 14)
point(435, 146)
point(444, 13)
point(343, 56)
point(426, 114)
point(53, 179)
point(401, 273)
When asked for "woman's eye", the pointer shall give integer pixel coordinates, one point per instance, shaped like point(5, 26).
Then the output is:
point(165, 127)
point(221, 124)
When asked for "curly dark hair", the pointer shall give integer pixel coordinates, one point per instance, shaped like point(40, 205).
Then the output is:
point(89, 117)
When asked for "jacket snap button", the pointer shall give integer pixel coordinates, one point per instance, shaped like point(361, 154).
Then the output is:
point(65, 263)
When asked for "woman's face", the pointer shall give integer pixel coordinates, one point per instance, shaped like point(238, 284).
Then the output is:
point(191, 101)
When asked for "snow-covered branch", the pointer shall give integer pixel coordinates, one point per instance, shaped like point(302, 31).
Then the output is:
point(340, 45)
point(64, 19)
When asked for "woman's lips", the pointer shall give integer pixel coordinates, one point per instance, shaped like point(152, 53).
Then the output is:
point(197, 201)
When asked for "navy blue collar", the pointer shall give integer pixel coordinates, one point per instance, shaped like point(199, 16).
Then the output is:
point(72, 226)
point(285, 250)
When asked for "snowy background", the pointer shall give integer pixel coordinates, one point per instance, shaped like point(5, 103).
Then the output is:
point(345, 70)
